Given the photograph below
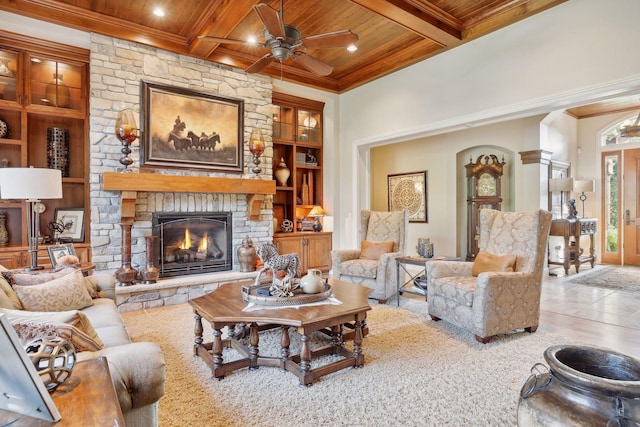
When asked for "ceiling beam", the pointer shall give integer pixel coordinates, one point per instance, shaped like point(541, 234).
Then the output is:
point(427, 23)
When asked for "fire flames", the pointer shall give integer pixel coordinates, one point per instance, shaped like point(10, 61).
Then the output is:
point(187, 242)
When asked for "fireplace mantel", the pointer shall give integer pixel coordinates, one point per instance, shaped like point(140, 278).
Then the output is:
point(129, 183)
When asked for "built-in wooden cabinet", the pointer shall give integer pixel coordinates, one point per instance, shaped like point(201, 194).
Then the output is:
point(297, 141)
point(313, 248)
point(43, 90)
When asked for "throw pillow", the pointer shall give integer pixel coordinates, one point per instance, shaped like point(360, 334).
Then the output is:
point(486, 262)
point(73, 318)
point(65, 293)
point(28, 330)
point(36, 277)
point(7, 290)
point(374, 250)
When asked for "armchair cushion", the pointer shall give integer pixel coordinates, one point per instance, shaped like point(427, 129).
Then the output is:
point(374, 250)
point(486, 262)
point(459, 289)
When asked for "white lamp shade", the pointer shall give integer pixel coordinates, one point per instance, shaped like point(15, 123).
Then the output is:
point(30, 183)
point(327, 224)
point(584, 186)
point(560, 184)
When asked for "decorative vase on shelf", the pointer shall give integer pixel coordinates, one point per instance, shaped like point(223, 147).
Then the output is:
point(4, 234)
point(282, 173)
point(150, 273)
point(305, 190)
point(57, 93)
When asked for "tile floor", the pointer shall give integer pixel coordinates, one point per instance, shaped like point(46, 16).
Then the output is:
point(596, 316)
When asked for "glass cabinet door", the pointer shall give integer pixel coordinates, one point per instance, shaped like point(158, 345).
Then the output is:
point(309, 126)
point(8, 75)
point(55, 84)
point(282, 122)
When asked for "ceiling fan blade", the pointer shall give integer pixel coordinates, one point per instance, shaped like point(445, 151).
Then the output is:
point(260, 64)
point(312, 64)
point(228, 41)
point(342, 38)
point(271, 19)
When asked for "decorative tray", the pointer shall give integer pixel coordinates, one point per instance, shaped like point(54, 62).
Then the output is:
point(259, 294)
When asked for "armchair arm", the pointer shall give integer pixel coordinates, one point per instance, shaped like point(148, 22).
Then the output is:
point(339, 256)
point(387, 270)
point(439, 269)
point(137, 371)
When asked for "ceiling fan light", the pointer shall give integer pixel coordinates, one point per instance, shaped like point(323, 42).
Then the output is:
point(352, 48)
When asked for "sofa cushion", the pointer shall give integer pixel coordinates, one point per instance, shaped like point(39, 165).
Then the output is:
point(75, 318)
point(374, 250)
point(457, 288)
point(65, 293)
point(30, 329)
point(37, 277)
point(107, 321)
point(360, 267)
point(486, 262)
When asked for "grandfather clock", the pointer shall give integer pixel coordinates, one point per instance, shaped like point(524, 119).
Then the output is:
point(483, 192)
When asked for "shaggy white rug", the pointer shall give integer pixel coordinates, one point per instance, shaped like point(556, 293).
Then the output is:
point(417, 373)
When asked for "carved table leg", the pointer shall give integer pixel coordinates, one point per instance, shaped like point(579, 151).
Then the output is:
point(305, 355)
point(197, 331)
point(285, 342)
point(254, 340)
point(336, 338)
point(357, 344)
point(216, 350)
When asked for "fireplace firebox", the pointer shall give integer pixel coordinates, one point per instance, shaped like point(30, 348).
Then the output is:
point(193, 242)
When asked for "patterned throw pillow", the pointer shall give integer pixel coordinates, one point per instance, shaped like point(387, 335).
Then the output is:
point(374, 250)
point(28, 330)
point(65, 293)
point(74, 318)
point(36, 277)
point(486, 262)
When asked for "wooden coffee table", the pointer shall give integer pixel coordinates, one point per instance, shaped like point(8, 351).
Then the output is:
point(223, 308)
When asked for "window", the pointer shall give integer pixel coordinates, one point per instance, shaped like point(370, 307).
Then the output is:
point(612, 136)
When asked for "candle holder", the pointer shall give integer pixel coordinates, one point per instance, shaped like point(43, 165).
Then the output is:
point(126, 132)
point(256, 147)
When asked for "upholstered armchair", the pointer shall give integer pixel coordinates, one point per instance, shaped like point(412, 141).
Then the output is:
point(500, 291)
point(383, 238)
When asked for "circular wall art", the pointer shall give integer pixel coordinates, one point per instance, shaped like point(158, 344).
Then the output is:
point(409, 191)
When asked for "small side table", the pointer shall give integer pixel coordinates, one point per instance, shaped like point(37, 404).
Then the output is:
point(401, 266)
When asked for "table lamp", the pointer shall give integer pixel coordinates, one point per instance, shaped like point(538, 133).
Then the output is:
point(316, 213)
point(584, 186)
point(31, 185)
point(561, 185)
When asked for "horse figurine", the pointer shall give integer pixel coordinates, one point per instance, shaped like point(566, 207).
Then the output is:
point(289, 263)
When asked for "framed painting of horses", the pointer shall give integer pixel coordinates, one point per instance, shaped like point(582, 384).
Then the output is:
point(187, 129)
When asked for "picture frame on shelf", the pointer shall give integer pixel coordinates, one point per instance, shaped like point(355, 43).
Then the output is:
point(57, 252)
point(188, 129)
point(71, 222)
point(409, 191)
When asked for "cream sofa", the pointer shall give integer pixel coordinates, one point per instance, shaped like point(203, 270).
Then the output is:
point(137, 369)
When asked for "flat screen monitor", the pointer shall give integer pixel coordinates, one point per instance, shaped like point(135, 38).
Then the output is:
point(22, 391)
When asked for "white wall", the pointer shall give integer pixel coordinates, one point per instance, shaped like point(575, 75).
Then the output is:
point(561, 57)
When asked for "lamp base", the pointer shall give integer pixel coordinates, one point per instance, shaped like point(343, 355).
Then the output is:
point(317, 225)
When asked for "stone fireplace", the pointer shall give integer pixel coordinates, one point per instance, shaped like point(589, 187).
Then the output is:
point(193, 242)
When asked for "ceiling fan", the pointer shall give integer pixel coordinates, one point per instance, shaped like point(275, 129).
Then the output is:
point(286, 41)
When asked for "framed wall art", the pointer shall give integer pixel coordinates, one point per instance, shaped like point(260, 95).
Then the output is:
point(69, 225)
point(184, 128)
point(409, 191)
point(56, 252)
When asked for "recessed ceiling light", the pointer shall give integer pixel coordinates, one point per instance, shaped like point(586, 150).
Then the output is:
point(352, 48)
point(252, 40)
point(158, 11)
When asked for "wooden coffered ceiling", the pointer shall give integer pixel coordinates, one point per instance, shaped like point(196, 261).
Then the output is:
point(392, 33)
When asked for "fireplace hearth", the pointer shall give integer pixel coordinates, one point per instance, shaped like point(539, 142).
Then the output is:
point(192, 243)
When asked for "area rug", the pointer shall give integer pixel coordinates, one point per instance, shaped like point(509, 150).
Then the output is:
point(417, 373)
point(619, 278)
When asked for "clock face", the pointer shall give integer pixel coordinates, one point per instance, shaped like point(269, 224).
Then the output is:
point(487, 185)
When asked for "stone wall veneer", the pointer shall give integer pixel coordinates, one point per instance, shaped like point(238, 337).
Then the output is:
point(116, 70)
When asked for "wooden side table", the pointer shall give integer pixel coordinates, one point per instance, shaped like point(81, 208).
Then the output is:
point(87, 398)
point(401, 267)
point(574, 228)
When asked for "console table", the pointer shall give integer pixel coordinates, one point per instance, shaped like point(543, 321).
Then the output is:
point(571, 229)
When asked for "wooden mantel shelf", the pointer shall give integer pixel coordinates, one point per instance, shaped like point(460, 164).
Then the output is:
point(154, 182)
point(130, 182)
